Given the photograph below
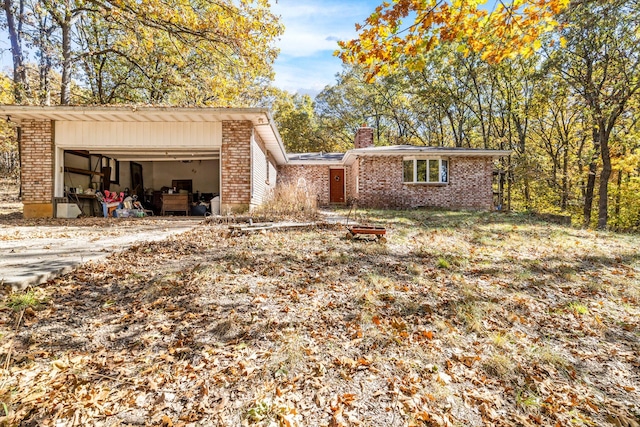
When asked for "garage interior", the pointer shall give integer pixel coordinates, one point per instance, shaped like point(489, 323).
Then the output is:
point(166, 183)
point(170, 162)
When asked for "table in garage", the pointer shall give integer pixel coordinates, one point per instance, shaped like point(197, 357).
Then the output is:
point(175, 202)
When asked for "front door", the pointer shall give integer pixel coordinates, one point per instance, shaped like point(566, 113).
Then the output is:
point(336, 185)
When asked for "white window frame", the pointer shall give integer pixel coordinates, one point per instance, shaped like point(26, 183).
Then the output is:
point(427, 160)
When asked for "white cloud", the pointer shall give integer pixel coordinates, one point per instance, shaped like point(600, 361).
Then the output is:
point(312, 28)
point(305, 44)
point(310, 75)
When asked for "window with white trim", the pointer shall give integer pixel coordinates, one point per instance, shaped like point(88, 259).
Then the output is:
point(425, 170)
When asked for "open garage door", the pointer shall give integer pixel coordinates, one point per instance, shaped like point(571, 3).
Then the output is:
point(148, 160)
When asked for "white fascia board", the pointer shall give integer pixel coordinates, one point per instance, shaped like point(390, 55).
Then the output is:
point(280, 153)
point(105, 113)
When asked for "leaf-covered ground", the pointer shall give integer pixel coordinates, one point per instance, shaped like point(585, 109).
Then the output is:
point(461, 319)
point(10, 205)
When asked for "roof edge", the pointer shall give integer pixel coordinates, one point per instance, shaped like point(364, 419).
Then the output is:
point(315, 162)
point(14, 108)
point(275, 131)
point(351, 155)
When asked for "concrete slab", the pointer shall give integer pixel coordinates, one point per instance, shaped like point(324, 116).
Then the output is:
point(333, 217)
point(30, 255)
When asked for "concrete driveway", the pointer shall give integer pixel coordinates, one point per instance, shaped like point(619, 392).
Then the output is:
point(33, 254)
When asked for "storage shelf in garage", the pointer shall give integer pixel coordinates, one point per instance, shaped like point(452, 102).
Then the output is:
point(82, 171)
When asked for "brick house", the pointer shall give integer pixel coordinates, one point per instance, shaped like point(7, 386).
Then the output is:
point(401, 176)
point(235, 154)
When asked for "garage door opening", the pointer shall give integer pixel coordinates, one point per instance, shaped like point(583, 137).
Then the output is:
point(166, 183)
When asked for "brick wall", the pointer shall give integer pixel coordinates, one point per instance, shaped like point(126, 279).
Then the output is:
point(364, 137)
point(469, 187)
point(352, 178)
point(37, 163)
point(316, 178)
point(236, 165)
point(380, 183)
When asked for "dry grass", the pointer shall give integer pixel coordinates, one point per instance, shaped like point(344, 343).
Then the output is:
point(289, 201)
point(529, 324)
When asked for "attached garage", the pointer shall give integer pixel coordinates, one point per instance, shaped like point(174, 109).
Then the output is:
point(151, 152)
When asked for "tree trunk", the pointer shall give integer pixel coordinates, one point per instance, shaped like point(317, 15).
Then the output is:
point(591, 180)
point(457, 142)
point(509, 181)
point(45, 45)
point(618, 200)
point(65, 85)
point(603, 199)
point(19, 72)
point(527, 189)
point(45, 79)
point(565, 179)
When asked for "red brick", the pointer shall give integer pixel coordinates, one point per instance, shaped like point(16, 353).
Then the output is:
point(364, 137)
point(380, 183)
point(36, 144)
point(236, 164)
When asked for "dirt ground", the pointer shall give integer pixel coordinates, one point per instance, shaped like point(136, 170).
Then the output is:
point(460, 319)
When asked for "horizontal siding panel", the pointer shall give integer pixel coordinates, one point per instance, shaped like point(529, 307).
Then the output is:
point(96, 135)
point(259, 174)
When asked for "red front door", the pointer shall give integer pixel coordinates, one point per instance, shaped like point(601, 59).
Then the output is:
point(336, 185)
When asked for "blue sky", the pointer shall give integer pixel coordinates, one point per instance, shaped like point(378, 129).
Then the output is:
point(312, 28)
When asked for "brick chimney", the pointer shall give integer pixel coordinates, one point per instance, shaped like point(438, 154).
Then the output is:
point(364, 137)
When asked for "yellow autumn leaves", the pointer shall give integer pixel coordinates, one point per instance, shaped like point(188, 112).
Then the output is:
point(386, 41)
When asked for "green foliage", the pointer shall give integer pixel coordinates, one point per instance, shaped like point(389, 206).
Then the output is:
point(260, 411)
point(297, 123)
point(385, 105)
point(443, 263)
point(578, 308)
point(20, 301)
